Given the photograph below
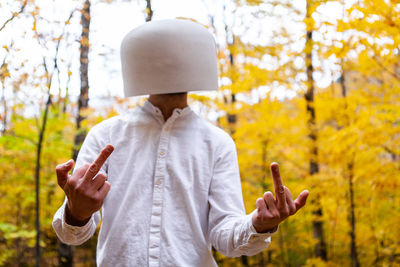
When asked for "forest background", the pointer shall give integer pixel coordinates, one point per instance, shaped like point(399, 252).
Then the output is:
point(313, 85)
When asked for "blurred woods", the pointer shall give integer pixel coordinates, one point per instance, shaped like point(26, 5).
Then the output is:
point(312, 85)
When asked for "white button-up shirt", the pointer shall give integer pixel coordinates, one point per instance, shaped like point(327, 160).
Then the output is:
point(175, 191)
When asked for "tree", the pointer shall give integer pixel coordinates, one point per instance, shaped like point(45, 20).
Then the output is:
point(320, 247)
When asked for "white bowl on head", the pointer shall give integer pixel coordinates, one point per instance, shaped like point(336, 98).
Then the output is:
point(168, 56)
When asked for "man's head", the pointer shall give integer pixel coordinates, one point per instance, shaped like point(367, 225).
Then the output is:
point(168, 56)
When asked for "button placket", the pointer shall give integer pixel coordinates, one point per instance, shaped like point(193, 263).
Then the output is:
point(157, 203)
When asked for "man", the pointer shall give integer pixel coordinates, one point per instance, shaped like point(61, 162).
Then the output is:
point(169, 185)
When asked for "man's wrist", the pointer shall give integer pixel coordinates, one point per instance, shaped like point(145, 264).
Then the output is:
point(72, 220)
point(266, 231)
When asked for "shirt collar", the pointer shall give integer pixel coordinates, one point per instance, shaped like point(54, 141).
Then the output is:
point(150, 108)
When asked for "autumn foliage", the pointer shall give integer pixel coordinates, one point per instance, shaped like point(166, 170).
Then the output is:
point(271, 53)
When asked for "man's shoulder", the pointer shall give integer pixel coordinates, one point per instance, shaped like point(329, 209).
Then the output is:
point(214, 131)
point(110, 124)
point(116, 122)
point(107, 123)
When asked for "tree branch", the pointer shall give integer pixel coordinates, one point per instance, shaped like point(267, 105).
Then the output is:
point(393, 74)
point(14, 15)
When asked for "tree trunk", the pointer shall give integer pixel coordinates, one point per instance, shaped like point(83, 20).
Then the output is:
point(350, 173)
point(3, 70)
point(353, 246)
point(4, 104)
point(264, 164)
point(231, 116)
point(65, 252)
point(66, 98)
point(37, 175)
point(264, 172)
point(149, 11)
point(84, 92)
point(318, 233)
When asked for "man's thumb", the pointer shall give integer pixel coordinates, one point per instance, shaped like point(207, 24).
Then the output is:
point(301, 200)
point(62, 171)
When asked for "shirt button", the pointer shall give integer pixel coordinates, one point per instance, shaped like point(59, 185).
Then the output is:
point(162, 153)
point(159, 181)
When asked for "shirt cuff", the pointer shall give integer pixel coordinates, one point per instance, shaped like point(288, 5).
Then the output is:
point(72, 228)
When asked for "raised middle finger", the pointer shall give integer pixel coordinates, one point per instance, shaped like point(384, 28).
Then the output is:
point(98, 163)
point(278, 184)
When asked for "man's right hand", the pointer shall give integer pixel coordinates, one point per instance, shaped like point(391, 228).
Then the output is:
point(86, 189)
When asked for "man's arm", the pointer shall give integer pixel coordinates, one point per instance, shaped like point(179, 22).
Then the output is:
point(76, 220)
point(232, 232)
point(230, 229)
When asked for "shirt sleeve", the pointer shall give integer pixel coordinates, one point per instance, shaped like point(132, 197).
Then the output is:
point(77, 235)
point(231, 231)
point(74, 235)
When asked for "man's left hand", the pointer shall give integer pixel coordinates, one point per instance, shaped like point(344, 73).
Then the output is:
point(272, 211)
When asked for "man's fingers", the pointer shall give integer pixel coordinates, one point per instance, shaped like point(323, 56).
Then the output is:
point(261, 206)
point(278, 184)
point(301, 200)
point(269, 199)
point(98, 163)
point(98, 181)
point(289, 201)
point(103, 191)
point(263, 213)
point(62, 171)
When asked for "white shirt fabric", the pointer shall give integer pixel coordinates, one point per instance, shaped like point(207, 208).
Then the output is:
point(175, 191)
